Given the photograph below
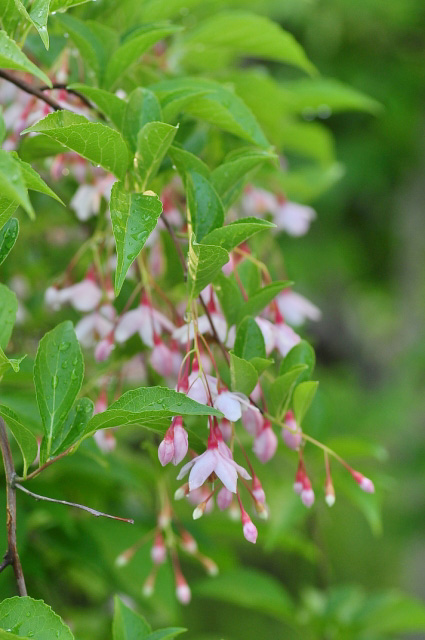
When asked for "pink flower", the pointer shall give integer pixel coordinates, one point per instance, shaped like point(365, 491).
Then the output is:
point(217, 459)
point(95, 326)
point(258, 201)
point(144, 320)
point(87, 198)
point(224, 498)
point(292, 436)
point(84, 296)
point(104, 348)
point(199, 496)
point(295, 308)
point(293, 218)
point(268, 331)
point(252, 420)
point(174, 446)
point(187, 331)
point(265, 444)
point(230, 404)
point(258, 491)
point(105, 440)
point(161, 358)
point(183, 593)
point(285, 337)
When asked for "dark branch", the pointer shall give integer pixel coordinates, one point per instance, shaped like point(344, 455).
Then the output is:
point(94, 512)
point(30, 89)
point(11, 557)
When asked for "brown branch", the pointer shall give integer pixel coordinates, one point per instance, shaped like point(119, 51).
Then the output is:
point(35, 473)
point(11, 557)
point(94, 512)
point(25, 86)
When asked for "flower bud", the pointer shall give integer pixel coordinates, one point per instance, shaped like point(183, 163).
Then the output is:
point(183, 593)
point(249, 529)
point(265, 443)
point(158, 550)
point(224, 498)
point(364, 483)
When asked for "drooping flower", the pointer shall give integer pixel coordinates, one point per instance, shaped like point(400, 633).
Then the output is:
point(158, 550)
point(216, 459)
point(161, 357)
point(173, 447)
point(291, 434)
point(364, 483)
point(144, 320)
point(95, 326)
point(295, 308)
point(86, 200)
point(83, 296)
point(265, 444)
point(293, 218)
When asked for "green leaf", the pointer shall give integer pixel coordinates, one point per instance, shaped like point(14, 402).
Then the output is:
point(314, 93)
point(108, 103)
point(243, 375)
point(94, 141)
point(250, 277)
point(166, 634)
point(2, 127)
point(282, 387)
point(142, 107)
point(5, 635)
point(217, 105)
point(37, 15)
point(204, 265)
point(303, 397)
point(233, 234)
point(185, 161)
point(10, 16)
point(150, 407)
point(133, 47)
point(13, 182)
point(11, 57)
point(8, 310)
point(74, 426)
point(261, 298)
point(91, 47)
point(178, 101)
point(261, 364)
point(8, 236)
point(62, 5)
point(226, 35)
point(127, 624)
point(7, 209)
point(26, 440)
point(134, 216)
point(392, 612)
point(5, 363)
point(229, 296)
point(33, 181)
point(36, 147)
point(302, 353)
point(34, 619)
point(256, 591)
point(58, 375)
point(153, 142)
point(206, 208)
point(230, 177)
point(249, 342)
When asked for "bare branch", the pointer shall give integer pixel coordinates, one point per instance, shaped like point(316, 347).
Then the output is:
point(94, 512)
point(25, 86)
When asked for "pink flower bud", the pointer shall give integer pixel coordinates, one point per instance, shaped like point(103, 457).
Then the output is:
point(162, 359)
point(166, 450)
point(252, 420)
point(188, 542)
point(180, 441)
point(158, 550)
point(265, 443)
point(249, 529)
point(307, 497)
point(182, 590)
point(292, 436)
point(224, 498)
point(257, 490)
point(364, 483)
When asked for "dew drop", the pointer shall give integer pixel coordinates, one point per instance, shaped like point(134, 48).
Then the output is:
point(64, 346)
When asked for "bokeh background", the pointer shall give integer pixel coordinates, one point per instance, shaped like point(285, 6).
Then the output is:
point(355, 571)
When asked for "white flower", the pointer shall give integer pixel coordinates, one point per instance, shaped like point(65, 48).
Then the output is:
point(294, 218)
point(143, 320)
point(295, 308)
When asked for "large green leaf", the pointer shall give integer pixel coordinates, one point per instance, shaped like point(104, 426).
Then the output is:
point(303, 397)
point(9, 16)
point(302, 353)
point(13, 183)
point(11, 57)
point(33, 181)
point(29, 618)
point(217, 105)
point(127, 624)
point(243, 375)
point(108, 103)
point(166, 634)
point(206, 208)
point(142, 107)
point(185, 161)
point(74, 426)
point(261, 298)
point(230, 297)
point(256, 590)
point(281, 389)
point(62, 5)
point(233, 234)
point(95, 141)
point(8, 207)
point(204, 265)
point(8, 236)
point(133, 47)
point(37, 14)
point(249, 342)
point(8, 310)
point(58, 375)
point(24, 437)
point(226, 35)
point(150, 407)
point(134, 216)
point(153, 142)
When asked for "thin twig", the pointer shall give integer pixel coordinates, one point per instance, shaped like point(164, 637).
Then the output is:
point(35, 473)
point(25, 86)
point(94, 512)
point(11, 557)
point(75, 92)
